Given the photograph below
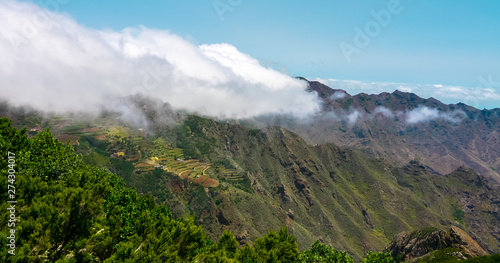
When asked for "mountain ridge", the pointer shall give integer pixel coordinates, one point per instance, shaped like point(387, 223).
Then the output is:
point(443, 136)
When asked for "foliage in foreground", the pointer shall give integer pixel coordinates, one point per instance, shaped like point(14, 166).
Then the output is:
point(320, 252)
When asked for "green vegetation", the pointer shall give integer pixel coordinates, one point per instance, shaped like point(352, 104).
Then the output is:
point(447, 255)
point(320, 252)
point(69, 211)
point(458, 214)
point(242, 183)
point(116, 145)
point(455, 255)
point(193, 140)
point(347, 103)
point(484, 259)
point(274, 247)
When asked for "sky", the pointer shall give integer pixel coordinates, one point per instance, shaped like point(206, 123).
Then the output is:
point(443, 49)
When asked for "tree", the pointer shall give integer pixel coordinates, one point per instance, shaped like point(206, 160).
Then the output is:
point(281, 247)
point(320, 252)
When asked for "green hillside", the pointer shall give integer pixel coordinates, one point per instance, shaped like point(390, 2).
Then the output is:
point(267, 179)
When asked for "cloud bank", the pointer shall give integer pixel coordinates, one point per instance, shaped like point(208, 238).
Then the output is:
point(51, 62)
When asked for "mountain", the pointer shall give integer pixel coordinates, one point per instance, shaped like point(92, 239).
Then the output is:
point(402, 126)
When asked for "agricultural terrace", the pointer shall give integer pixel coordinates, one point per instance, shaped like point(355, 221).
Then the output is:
point(158, 153)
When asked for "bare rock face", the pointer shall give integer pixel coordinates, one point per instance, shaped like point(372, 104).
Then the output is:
point(418, 243)
point(470, 247)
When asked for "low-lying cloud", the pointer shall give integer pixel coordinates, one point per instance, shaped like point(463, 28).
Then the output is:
point(409, 117)
point(384, 111)
point(338, 95)
point(55, 64)
point(353, 117)
point(422, 114)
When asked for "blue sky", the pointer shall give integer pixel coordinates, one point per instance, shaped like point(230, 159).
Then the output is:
point(426, 42)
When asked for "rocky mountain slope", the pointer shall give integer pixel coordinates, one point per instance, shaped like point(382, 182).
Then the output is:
point(402, 126)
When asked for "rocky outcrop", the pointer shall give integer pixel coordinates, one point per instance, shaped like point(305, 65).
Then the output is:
point(418, 243)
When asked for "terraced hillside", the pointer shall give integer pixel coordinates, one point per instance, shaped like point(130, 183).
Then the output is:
point(149, 153)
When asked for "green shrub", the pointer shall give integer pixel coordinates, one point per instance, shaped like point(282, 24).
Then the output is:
point(320, 252)
point(378, 257)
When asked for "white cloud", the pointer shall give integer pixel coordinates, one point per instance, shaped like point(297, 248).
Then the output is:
point(422, 114)
point(56, 64)
point(384, 111)
point(338, 95)
point(353, 117)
